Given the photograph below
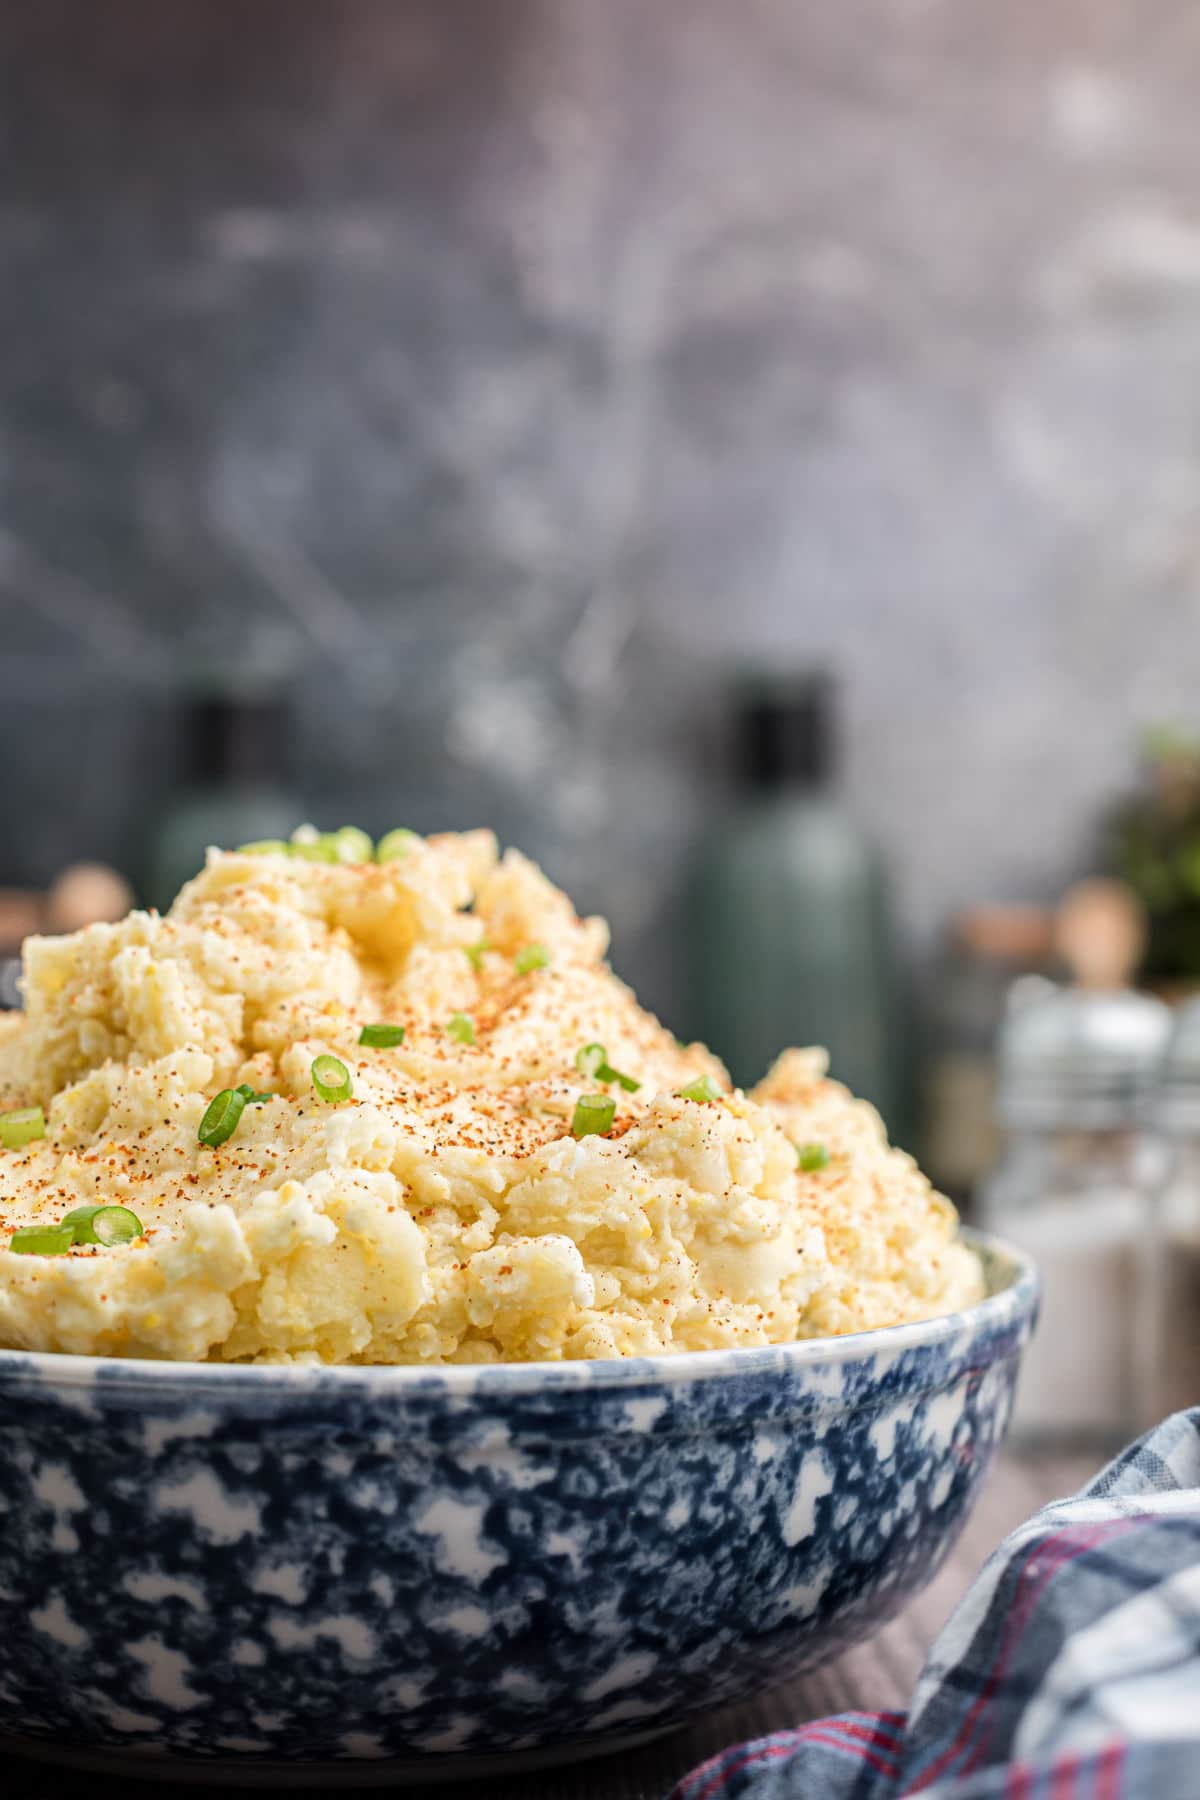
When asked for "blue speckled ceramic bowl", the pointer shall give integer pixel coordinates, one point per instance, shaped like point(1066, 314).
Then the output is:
point(307, 1574)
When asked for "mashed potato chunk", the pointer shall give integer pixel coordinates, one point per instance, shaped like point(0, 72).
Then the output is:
point(445, 1211)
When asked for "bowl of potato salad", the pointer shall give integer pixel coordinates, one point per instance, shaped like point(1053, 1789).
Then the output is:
point(417, 1362)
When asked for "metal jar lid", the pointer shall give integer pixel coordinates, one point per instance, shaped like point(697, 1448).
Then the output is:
point(1080, 1059)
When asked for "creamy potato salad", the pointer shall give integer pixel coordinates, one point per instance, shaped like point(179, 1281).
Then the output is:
point(343, 1104)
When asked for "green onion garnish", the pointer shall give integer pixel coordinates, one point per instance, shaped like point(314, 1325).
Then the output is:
point(265, 847)
point(593, 1061)
point(381, 1037)
point(221, 1117)
point(42, 1240)
point(21, 1127)
point(116, 1225)
point(313, 845)
point(461, 1028)
point(811, 1157)
point(395, 844)
point(106, 1225)
point(80, 1220)
point(533, 956)
point(251, 1097)
point(350, 845)
point(594, 1114)
point(474, 953)
point(331, 1078)
point(703, 1089)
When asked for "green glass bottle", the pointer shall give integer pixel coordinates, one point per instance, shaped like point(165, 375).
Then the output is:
point(790, 939)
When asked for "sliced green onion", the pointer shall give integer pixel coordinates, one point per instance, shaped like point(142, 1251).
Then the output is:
point(331, 1078)
point(461, 1028)
point(318, 849)
point(474, 953)
point(265, 847)
point(80, 1220)
point(21, 1127)
point(350, 845)
point(250, 1096)
point(594, 1114)
point(626, 1081)
point(593, 1061)
point(105, 1225)
point(381, 1037)
point(115, 1225)
point(533, 956)
point(42, 1240)
point(395, 844)
point(811, 1157)
point(703, 1089)
point(221, 1117)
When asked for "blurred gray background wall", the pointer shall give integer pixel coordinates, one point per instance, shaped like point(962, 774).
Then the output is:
point(520, 367)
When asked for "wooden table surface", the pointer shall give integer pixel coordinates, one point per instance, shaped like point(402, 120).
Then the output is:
point(878, 1675)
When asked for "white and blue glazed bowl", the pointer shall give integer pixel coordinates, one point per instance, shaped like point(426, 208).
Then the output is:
point(313, 1575)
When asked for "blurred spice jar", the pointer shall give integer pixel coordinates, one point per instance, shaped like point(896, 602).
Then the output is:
point(1176, 1373)
point(986, 950)
point(1075, 1187)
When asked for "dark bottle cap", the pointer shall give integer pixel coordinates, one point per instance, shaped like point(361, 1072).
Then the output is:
point(785, 729)
point(235, 738)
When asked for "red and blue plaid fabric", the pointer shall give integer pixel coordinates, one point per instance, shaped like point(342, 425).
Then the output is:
point(1071, 1671)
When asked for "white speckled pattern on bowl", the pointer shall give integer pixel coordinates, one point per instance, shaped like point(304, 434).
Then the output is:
point(408, 1573)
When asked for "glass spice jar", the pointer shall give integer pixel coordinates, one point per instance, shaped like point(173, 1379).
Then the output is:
point(1075, 1187)
point(1176, 1113)
point(985, 950)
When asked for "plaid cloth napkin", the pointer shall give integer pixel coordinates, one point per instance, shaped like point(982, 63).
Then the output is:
point(1071, 1671)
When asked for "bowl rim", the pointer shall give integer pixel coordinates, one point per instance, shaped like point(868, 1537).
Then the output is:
point(1012, 1303)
